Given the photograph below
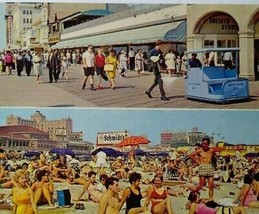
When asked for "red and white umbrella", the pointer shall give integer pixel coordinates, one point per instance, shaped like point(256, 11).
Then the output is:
point(133, 141)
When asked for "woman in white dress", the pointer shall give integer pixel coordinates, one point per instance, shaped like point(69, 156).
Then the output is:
point(170, 62)
point(139, 61)
point(37, 66)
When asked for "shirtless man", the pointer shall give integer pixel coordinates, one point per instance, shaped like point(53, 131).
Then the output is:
point(203, 157)
point(109, 203)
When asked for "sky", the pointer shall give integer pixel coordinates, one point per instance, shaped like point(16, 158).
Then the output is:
point(233, 125)
point(2, 24)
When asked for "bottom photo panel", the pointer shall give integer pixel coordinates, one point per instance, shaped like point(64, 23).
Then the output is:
point(114, 161)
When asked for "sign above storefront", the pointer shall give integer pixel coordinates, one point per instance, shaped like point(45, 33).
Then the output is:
point(219, 25)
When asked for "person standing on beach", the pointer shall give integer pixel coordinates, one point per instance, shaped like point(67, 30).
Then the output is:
point(203, 157)
point(109, 203)
point(157, 60)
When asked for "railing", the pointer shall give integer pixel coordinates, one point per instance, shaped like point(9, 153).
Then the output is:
point(134, 11)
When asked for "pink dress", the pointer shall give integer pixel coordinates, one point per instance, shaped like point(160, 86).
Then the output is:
point(203, 209)
point(250, 197)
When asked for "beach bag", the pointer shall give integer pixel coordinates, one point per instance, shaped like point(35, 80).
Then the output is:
point(108, 67)
point(225, 210)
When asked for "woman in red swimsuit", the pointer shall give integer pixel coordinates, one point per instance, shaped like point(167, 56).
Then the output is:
point(157, 194)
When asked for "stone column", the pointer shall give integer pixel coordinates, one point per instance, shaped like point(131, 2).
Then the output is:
point(246, 56)
point(190, 42)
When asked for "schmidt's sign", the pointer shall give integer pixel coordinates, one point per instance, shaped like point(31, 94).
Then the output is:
point(110, 138)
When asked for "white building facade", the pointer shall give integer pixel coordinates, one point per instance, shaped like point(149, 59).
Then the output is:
point(227, 26)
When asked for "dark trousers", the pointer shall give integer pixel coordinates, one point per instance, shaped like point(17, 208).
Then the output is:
point(132, 63)
point(157, 81)
point(52, 74)
point(19, 65)
point(28, 66)
point(58, 72)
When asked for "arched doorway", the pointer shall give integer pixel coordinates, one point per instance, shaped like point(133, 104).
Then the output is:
point(217, 30)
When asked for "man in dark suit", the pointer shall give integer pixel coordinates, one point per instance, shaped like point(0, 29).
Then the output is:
point(52, 65)
point(157, 60)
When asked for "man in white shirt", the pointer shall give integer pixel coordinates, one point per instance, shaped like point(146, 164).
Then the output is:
point(88, 66)
point(131, 59)
point(228, 60)
point(74, 58)
point(101, 158)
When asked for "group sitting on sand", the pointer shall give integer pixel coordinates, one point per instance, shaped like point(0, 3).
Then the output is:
point(32, 181)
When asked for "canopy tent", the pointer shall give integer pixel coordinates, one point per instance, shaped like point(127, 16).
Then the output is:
point(170, 32)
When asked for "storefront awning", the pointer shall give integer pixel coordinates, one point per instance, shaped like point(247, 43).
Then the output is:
point(96, 12)
point(170, 32)
point(177, 34)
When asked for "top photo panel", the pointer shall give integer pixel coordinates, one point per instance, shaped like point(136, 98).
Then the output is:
point(129, 55)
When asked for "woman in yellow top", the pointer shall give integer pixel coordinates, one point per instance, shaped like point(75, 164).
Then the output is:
point(112, 59)
point(23, 200)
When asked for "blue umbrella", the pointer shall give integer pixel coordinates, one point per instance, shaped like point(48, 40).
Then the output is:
point(252, 155)
point(160, 154)
point(31, 154)
point(62, 151)
point(108, 151)
point(140, 152)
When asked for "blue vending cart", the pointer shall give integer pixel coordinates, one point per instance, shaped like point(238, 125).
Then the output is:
point(216, 83)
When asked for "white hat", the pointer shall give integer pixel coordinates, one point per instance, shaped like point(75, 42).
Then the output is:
point(119, 157)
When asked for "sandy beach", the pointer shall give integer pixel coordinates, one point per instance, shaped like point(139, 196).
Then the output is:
point(178, 203)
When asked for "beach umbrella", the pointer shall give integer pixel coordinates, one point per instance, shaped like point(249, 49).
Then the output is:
point(252, 155)
point(160, 154)
point(133, 141)
point(108, 151)
point(62, 151)
point(139, 152)
point(30, 154)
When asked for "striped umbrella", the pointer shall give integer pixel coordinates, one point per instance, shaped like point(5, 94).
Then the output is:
point(133, 141)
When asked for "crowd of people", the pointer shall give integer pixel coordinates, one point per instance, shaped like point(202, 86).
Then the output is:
point(106, 64)
point(32, 180)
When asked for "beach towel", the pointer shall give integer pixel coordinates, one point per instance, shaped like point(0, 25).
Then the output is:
point(225, 210)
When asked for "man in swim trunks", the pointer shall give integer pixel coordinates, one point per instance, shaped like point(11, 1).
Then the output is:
point(109, 203)
point(203, 157)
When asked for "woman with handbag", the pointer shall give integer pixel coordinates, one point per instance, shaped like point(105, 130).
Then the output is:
point(111, 67)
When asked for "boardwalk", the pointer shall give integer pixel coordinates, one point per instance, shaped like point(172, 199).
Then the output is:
point(24, 91)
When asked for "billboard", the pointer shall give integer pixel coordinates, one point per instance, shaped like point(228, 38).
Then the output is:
point(60, 132)
point(167, 137)
point(76, 135)
point(110, 138)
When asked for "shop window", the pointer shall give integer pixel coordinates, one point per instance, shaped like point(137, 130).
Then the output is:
point(226, 43)
point(208, 44)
